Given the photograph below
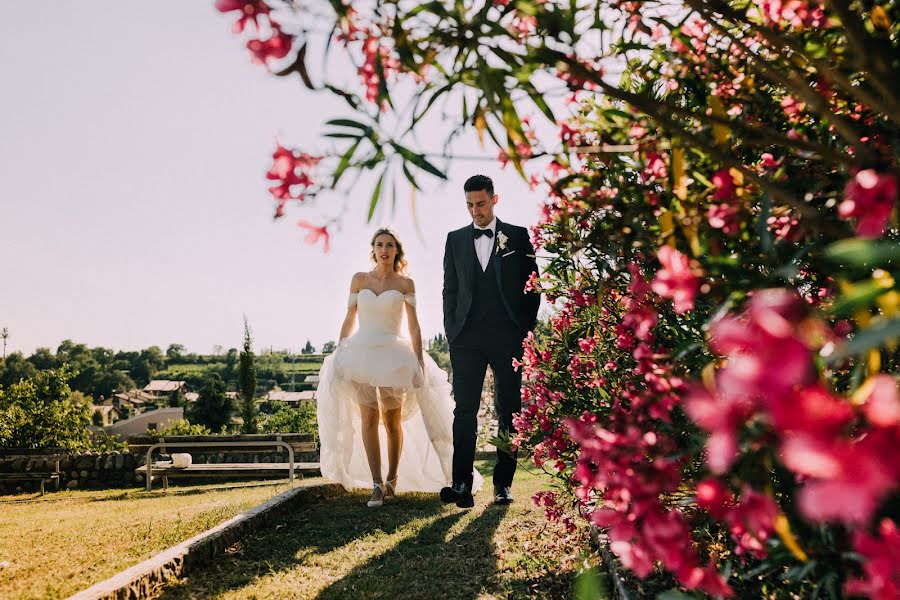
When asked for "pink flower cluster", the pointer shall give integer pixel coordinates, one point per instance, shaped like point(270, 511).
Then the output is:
point(794, 13)
point(630, 470)
point(869, 197)
point(262, 51)
point(751, 521)
point(677, 279)
point(881, 570)
point(293, 172)
point(842, 455)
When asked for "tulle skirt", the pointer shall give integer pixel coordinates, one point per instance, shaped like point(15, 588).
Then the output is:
point(381, 370)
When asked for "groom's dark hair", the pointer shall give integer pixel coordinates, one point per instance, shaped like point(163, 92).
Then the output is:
point(478, 183)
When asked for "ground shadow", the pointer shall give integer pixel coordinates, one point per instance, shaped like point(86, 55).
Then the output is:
point(435, 563)
point(314, 529)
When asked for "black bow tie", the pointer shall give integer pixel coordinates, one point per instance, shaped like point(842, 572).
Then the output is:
point(481, 232)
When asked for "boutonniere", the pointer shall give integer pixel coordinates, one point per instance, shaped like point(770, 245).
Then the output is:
point(501, 241)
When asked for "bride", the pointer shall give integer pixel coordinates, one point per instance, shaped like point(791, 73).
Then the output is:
point(377, 379)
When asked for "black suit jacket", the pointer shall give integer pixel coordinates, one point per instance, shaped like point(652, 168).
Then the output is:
point(513, 265)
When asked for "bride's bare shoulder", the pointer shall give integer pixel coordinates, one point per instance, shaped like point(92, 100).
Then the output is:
point(358, 281)
point(409, 286)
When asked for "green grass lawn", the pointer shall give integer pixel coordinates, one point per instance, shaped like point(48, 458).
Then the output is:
point(413, 547)
point(59, 544)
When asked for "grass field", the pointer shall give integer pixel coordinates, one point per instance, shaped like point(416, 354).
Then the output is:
point(58, 544)
point(414, 547)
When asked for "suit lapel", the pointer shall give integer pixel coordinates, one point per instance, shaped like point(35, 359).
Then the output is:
point(495, 256)
point(468, 254)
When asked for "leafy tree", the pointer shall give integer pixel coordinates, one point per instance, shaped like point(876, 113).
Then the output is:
point(181, 427)
point(42, 412)
point(174, 353)
point(308, 348)
point(439, 350)
point(16, 368)
point(231, 360)
point(213, 408)
point(43, 359)
point(328, 347)
point(248, 383)
point(286, 419)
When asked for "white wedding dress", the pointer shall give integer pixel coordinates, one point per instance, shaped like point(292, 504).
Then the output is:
point(377, 356)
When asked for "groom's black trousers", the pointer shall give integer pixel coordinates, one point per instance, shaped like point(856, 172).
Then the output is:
point(470, 354)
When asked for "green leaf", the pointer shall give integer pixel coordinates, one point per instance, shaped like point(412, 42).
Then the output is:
point(675, 594)
point(860, 252)
point(352, 99)
point(590, 586)
point(347, 123)
point(375, 195)
point(409, 176)
point(762, 225)
point(862, 295)
point(418, 160)
point(874, 336)
point(345, 162)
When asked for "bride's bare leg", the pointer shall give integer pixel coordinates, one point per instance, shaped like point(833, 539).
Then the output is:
point(392, 425)
point(368, 412)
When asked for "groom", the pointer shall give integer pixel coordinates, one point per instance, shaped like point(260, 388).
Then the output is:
point(487, 314)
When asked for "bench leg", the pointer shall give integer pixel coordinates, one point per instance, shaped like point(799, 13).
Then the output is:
point(165, 483)
point(42, 487)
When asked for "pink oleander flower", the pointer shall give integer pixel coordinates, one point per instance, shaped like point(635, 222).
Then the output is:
point(315, 234)
point(713, 496)
point(881, 401)
point(276, 47)
point(723, 216)
point(752, 522)
point(881, 569)
point(677, 279)
point(250, 11)
point(767, 356)
point(294, 175)
point(720, 415)
point(726, 186)
point(869, 197)
point(655, 168)
point(848, 478)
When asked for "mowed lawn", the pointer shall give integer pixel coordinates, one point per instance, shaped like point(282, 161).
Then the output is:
point(61, 543)
point(413, 547)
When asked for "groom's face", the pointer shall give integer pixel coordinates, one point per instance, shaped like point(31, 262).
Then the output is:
point(481, 207)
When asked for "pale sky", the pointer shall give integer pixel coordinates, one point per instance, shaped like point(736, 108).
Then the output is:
point(134, 139)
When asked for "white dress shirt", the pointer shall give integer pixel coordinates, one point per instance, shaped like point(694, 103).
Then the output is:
point(484, 244)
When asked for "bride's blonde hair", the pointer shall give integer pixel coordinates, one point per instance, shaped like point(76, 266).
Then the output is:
point(399, 259)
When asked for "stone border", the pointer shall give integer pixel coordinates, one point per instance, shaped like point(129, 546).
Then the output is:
point(621, 590)
point(142, 579)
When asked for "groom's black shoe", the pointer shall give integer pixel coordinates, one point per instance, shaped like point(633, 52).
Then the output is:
point(459, 494)
point(502, 494)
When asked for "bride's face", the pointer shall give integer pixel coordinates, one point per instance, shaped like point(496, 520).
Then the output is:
point(385, 248)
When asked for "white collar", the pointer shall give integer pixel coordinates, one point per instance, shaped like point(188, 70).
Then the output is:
point(492, 226)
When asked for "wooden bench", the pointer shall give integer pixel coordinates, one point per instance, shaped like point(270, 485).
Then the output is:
point(238, 443)
point(43, 476)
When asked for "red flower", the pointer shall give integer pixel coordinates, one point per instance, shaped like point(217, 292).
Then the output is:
point(723, 216)
point(676, 280)
point(881, 570)
point(276, 47)
point(882, 402)
point(315, 234)
point(250, 11)
point(869, 197)
point(720, 415)
point(766, 356)
point(726, 187)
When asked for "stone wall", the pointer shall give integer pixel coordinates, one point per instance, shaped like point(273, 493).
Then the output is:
point(95, 470)
point(92, 470)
